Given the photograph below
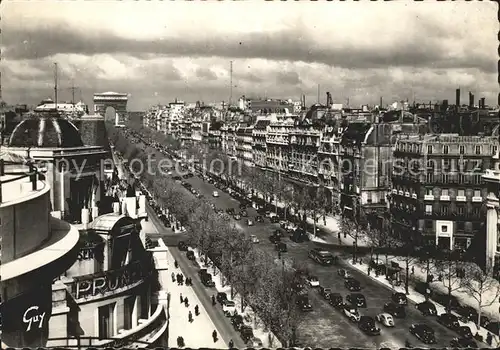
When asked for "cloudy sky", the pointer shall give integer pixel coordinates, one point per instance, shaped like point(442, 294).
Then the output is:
point(157, 51)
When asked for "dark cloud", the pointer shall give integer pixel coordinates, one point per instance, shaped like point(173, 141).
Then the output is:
point(206, 74)
point(423, 48)
point(291, 78)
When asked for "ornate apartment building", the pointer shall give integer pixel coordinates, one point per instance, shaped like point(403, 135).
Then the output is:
point(492, 181)
point(259, 147)
point(438, 189)
point(278, 142)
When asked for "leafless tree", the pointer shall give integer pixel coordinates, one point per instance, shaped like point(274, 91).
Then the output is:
point(481, 287)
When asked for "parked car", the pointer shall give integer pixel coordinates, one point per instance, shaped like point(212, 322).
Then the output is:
point(367, 325)
point(182, 246)
point(463, 343)
point(386, 319)
point(464, 332)
point(280, 247)
point(215, 194)
point(399, 298)
point(446, 300)
point(356, 299)
point(352, 284)
point(230, 211)
point(259, 218)
point(274, 238)
point(243, 205)
point(274, 218)
point(237, 217)
point(423, 288)
point(229, 308)
point(249, 222)
point(254, 343)
point(448, 320)
point(343, 273)
point(190, 255)
point(325, 292)
point(313, 281)
point(351, 312)
point(237, 322)
point(246, 333)
point(336, 300)
point(395, 310)
point(221, 297)
point(254, 239)
point(427, 308)
point(423, 332)
point(243, 213)
point(303, 303)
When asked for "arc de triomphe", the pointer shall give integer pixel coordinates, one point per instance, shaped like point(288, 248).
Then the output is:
point(112, 99)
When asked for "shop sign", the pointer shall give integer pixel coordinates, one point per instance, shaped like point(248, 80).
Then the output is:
point(108, 281)
point(33, 316)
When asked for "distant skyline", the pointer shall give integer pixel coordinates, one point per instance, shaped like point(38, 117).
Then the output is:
point(159, 51)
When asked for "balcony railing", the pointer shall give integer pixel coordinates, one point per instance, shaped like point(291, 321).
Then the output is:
point(18, 171)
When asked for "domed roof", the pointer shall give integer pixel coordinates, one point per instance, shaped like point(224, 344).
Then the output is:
point(47, 132)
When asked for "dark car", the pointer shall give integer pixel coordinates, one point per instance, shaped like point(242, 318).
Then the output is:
point(471, 314)
point(246, 333)
point(399, 298)
point(275, 238)
point(352, 284)
point(182, 246)
point(177, 177)
point(367, 325)
point(423, 288)
point(280, 247)
point(190, 255)
point(423, 332)
point(244, 213)
point(321, 256)
point(336, 300)
point(356, 299)
point(464, 332)
point(243, 206)
point(279, 233)
point(463, 343)
point(325, 292)
point(303, 303)
point(274, 219)
point(230, 211)
point(493, 327)
point(448, 320)
point(259, 219)
point(237, 321)
point(395, 310)
point(299, 236)
point(427, 308)
point(221, 297)
point(447, 301)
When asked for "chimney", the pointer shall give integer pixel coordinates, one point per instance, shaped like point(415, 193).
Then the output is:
point(457, 97)
point(380, 101)
point(482, 104)
point(445, 105)
point(471, 99)
point(329, 101)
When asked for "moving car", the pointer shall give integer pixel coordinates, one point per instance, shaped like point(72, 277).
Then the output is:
point(313, 281)
point(325, 292)
point(336, 300)
point(303, 303)
point(463, 343)
point(274, 238)
point(464, 332)
point(254, 239)
point(395, 310)
point(320, 256)
point(215, 194)
point(249, 222)
point(343, 273)
point(423, 332)
point(367, 325)
point(399, 298)
point(352, 284)
point(448, 320)
point(427, 308)
point(351, 312)
point(280, 247)
point(229, 308)
point(356, 299)
point(386, 319)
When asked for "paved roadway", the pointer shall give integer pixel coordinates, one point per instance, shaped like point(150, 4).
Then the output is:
point(325, 326)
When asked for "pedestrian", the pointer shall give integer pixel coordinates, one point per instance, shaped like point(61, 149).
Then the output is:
point(213, 300)
point(190, 317)
point(182, 279)
point(489, 339)
point(173, 277)
point(176, 264)
point(180, 342)
point(214, 335)
point(345, 234)
point(196, 310)
point(413, 270)
point(178, 277)
point(186, 301)
point(182, 299)
point(338, 234)
point(231, 344)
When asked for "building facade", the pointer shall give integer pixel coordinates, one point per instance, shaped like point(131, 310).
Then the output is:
point(259, 148)
point(278, 142)
point(492, 181)
point(438, 189)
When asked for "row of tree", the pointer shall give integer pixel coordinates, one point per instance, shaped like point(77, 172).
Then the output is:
point(471, 279)
point(254, 274)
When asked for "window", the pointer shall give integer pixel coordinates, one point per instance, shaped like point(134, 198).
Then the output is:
point(445, 178)
point(461, 149)
point(476, 211)
point(478, 149)
point(430, 178)
point(444, 209)
point(128, 310)
point(429, 149)
point(445, 149)
point(477, 193)
point(106, 321)
point(428, 224)
point(446, 164)
point(444, 228)
point(428, 209)
point(460, 210)
point(495, 149)
point(444, 192)
point(461, 193)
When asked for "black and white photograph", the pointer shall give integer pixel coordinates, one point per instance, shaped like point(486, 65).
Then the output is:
point(249, 174)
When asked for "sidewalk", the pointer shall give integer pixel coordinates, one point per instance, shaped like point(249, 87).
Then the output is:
point(197, 334)
point(418, 298)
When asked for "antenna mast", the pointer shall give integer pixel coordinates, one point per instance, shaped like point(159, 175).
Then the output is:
point(55, 85)
point(318, 93)
point(73, 88)
point(230, 82)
